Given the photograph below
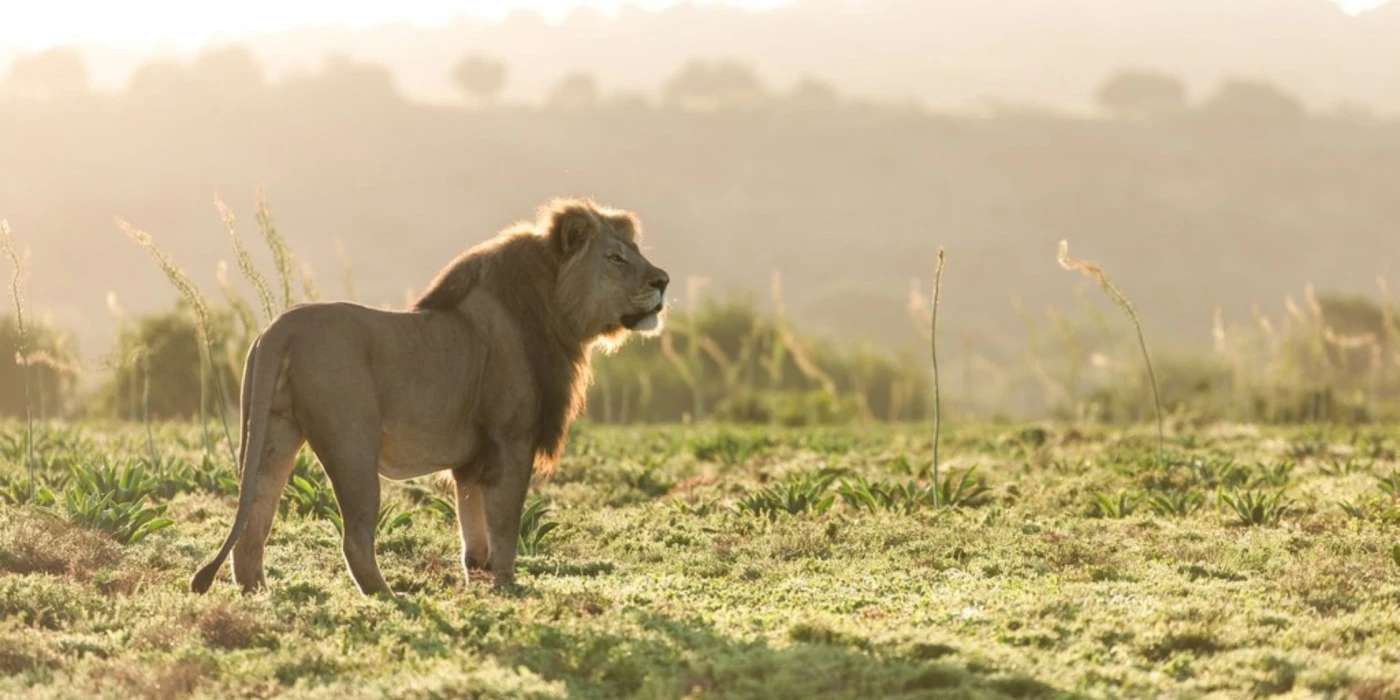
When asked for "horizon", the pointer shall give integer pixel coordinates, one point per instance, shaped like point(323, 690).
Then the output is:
point(184, 27)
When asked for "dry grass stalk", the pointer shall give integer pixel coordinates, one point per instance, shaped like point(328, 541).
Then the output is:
point(281, 255)
point(792, 345)
point(200, 308)
point(309, 288)
point(7, 246)
point(347, 279)
point(1389, 323)
point(235, 302)
point(933, 351)
point(245, 261)
point(59, 363)
point(918, 307)
point(1098, 275)
point(683, 368)
point(693, 285)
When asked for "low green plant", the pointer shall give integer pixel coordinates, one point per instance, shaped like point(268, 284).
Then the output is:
point(18, 491)
point(310, 498)
point(438, 506)
point(699, 508)
point(123, 483)
point(793, 497)
point(1115, 507)
point(209, 476)
point(962, 489)
point(1271, 475)
point(1215, 473)
point(730, 447)
point(863, 494)
point(1371, 510)
point(1254, 507)
point(647, 479)
point(535, 525)
point(1175, 503)
point(113, 500)
point(1348, 466)
point(391, 518)
point(907, 497)
point(1390, 484)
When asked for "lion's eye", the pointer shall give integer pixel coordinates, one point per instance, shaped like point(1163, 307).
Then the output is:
point(617, 258)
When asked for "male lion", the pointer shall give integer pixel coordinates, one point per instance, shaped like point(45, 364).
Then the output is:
point(482, 376)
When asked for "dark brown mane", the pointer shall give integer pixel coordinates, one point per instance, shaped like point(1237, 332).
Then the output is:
point(519, 268)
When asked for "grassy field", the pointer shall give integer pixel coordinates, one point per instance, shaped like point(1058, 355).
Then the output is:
point(674, 568)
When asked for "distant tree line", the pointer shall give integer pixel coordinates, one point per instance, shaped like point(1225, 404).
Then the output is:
point(233, 73)
point(1144, 95)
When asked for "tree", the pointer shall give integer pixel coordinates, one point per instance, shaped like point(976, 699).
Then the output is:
point(52, 369)
point(230, 71)
point(1141, 95)
point(344, 80)
point(159, 80)
point(814, 93)
point(1247, 102)
point(47, 75)
point(479, 77)
point(574, 91)
point(724, 83)
point(167, 345)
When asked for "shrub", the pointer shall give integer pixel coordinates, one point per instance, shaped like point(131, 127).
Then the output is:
point(170, 342)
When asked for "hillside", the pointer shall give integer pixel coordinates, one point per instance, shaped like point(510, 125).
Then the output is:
point(848, 202)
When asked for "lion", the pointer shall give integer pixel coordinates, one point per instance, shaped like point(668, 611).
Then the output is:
point(480, 377)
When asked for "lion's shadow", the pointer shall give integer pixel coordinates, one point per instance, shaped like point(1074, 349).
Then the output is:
point(659, 656)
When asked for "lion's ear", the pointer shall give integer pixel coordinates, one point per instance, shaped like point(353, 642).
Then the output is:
point(571, 228)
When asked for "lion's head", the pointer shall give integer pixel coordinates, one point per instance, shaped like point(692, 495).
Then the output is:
point(605, 284)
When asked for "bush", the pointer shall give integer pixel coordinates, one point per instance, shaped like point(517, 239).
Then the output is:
point(168, 344)
point(729, 362)
point(52, 370)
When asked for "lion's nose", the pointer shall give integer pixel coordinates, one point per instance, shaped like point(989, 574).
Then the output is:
point(659, 280)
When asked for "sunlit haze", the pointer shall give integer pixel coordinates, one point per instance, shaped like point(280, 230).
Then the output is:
point(190, 24)
point(185, 25)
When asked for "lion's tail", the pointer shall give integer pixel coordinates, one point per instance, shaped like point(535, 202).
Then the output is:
point(259, 384)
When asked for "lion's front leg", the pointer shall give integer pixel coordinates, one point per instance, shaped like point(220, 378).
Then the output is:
point(471, 518)
point(504, 492)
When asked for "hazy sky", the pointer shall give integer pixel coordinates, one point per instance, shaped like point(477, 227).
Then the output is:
point(190, 23)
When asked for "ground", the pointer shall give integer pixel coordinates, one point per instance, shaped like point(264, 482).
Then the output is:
point(1088, 567)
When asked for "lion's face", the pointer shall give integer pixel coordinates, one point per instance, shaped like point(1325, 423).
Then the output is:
point(606, 282)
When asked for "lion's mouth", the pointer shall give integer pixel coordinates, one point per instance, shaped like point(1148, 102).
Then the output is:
point(632, 321)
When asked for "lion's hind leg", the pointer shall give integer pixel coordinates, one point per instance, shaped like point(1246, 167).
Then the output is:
point(284, 439)
point(352, 465)
point(359, 513)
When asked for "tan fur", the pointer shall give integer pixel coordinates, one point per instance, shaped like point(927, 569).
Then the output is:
point(480, 378)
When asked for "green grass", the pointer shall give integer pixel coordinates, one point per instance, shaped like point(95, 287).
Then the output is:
point(844, 579)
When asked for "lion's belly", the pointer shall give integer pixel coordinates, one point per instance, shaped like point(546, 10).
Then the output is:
point(407, 453)
point(400, 472)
